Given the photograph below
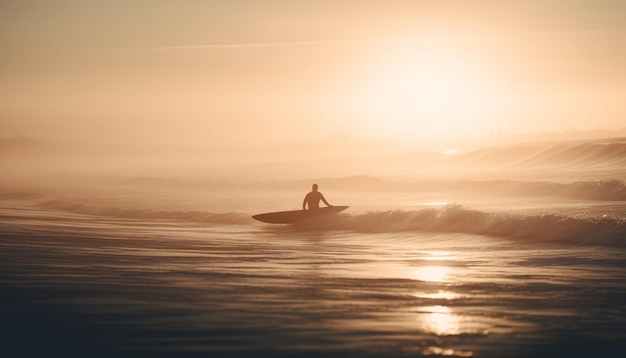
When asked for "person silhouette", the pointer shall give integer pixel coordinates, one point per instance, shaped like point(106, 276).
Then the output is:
point(312, 199)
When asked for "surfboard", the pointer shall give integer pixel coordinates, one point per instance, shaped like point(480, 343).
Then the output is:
point(295, 216)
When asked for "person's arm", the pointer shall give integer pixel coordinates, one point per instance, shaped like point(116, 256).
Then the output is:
point(324, 200)
point(304, 202)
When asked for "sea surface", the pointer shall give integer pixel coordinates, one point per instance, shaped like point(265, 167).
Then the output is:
point(438, 268)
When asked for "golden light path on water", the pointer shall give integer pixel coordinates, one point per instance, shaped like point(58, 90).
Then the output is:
point(438, 319)
point(431, 317)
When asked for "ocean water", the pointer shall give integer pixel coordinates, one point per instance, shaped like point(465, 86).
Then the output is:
point(521, 277)
point(509, 265)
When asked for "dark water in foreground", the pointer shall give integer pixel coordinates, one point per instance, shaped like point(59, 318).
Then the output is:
point(84, 285)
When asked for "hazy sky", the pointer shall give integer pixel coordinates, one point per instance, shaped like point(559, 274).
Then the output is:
point(259, 72)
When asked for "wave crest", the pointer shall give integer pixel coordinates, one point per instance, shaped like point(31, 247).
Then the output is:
point(537, 228)
point(456, 218)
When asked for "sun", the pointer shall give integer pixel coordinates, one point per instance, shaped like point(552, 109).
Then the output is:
point(420, 95)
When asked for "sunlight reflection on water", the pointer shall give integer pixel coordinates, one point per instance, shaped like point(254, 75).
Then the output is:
point(440, 295)
point(438, 320)
point(430, 351)
point(439, 255)
point(431, 273)
point(436, 203)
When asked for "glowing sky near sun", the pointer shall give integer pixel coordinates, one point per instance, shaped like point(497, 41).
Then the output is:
point(243, 73)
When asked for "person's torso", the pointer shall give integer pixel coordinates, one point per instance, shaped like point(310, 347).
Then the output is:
point(313, 199)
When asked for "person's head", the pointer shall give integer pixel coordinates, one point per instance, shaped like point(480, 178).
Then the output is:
point(314, 187)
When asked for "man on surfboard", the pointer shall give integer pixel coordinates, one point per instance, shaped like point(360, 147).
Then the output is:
point(313, 199)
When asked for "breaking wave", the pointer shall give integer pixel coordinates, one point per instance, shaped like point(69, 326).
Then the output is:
point(533, 228)
point(150, 214)
point(455, 218)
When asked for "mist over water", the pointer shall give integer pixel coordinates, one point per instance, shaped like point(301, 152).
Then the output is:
point(512, 250)
point(569, 192)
